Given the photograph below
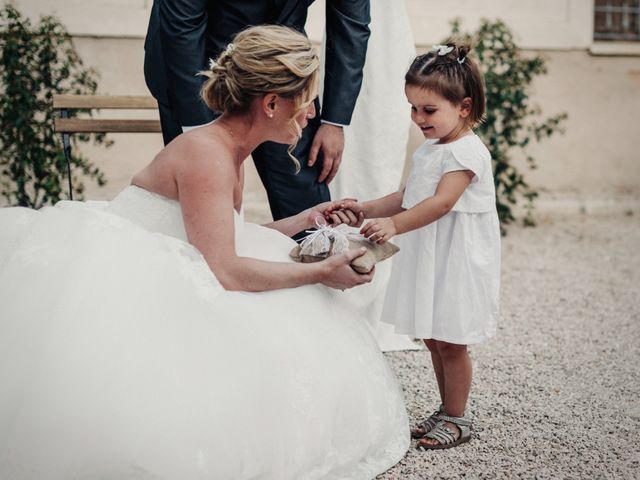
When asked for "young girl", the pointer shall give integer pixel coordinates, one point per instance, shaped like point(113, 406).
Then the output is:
point(445, 280)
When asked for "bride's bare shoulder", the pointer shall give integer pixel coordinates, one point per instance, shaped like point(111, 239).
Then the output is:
point(194, 153)
point(202, 156)
point(195, 156)
point(198, 145)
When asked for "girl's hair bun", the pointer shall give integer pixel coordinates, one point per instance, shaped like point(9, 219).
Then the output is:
point(463, 50)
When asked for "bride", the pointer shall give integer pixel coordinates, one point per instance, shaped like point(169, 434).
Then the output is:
point(160, 336)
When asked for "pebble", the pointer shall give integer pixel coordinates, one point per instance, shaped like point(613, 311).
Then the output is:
point(556, 393)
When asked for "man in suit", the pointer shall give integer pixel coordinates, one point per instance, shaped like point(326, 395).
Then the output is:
point(184, 34)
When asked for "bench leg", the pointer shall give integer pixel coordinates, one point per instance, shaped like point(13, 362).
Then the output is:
point(66, 147)
point(66, 143)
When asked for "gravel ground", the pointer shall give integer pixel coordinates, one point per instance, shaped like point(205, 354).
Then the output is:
point(556, 393)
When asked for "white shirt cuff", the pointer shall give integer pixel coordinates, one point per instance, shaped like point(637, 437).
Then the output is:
point(332, 123)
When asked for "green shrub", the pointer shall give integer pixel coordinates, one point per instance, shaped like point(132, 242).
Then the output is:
point(512, 122)
point(35, 63)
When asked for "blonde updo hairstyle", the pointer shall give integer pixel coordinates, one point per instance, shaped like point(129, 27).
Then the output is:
point(261, 60)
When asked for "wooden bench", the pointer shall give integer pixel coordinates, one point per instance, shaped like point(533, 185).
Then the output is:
point(67, 126)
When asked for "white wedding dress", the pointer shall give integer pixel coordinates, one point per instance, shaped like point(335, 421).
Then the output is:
point(375, 144)
point(122, 357)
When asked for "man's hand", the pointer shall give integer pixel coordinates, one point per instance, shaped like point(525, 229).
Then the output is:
point(330, 139)
point(379, 230)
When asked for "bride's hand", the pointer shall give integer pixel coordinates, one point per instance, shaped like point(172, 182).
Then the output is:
point(339, 273)
point(324, 209)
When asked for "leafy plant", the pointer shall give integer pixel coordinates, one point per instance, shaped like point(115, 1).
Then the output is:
point(35, 63)
point(512, 122)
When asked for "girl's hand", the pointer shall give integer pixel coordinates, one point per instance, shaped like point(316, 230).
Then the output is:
point(348, 211)
point(320, 210)
point(380, 230)
point(339, 273)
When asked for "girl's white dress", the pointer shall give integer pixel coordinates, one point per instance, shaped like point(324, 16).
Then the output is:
point(122, 357)
point(446, 278)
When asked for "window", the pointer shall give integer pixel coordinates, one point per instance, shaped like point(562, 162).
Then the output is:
point(617, 20)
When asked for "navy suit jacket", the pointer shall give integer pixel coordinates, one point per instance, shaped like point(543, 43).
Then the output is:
point(184, 34)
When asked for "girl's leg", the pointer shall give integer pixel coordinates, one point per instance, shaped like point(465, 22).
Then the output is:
point(456, 366)
point(420, 430)
point(436, 360)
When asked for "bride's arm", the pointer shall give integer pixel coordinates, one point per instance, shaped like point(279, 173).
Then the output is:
point(205, 191)
point(307, 218)
point(291, 225)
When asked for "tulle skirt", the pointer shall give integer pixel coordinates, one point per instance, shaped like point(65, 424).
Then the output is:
point(121, 356)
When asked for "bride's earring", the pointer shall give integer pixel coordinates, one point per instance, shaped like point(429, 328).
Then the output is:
point(272, 106)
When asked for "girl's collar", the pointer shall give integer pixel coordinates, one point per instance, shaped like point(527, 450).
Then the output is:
point(436, 143)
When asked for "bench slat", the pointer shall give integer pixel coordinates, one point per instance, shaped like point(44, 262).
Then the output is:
point(132, 102)
point(82, 125)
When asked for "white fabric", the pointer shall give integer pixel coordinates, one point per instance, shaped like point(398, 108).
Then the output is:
point(122, 357)
point(376, 141)
point(332, 123)
point(446, 278)
point(186, 128)
point(432, 160)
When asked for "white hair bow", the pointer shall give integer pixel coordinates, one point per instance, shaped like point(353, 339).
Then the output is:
point(441, 49)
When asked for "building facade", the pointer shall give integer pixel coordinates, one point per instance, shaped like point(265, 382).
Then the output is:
point(592, 50)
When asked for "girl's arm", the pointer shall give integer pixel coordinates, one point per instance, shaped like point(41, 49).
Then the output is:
point(449, 190)
point(205, 191)
point(383, 207)
point(307, 219)
point(380, 207)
